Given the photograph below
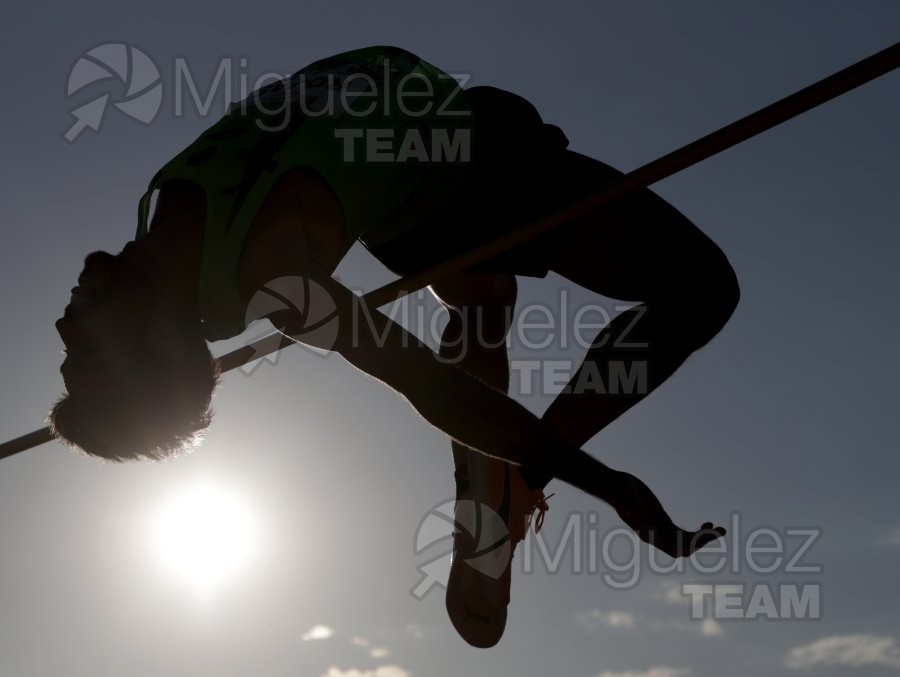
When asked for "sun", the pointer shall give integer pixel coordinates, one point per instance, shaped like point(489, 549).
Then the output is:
point(204, 534)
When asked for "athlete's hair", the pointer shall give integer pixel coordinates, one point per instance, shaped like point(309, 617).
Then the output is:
point(161, 416)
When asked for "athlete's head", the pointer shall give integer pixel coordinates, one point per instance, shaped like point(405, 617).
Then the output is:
point(138, 374)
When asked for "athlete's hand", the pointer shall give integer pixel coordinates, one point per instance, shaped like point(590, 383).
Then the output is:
point(641, 510)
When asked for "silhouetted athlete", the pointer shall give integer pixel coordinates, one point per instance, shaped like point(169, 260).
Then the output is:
point(379, 146)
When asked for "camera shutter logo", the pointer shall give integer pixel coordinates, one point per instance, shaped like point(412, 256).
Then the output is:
point(315, 318)
point(486, 527)
point(110, 62)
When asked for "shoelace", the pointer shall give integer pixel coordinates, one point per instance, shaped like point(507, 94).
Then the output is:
point(542, 507)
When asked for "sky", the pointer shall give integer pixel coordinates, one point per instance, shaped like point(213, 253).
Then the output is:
point(784, 426)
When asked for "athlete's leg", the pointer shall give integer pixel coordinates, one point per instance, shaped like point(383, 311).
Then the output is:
point(481, 307)
point(642, 250)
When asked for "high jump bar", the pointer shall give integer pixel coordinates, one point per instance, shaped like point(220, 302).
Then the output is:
point(745, 128)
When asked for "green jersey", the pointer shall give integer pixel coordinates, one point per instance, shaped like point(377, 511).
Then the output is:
point(389, 133)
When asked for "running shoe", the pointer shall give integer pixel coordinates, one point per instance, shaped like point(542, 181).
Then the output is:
point(494, 508)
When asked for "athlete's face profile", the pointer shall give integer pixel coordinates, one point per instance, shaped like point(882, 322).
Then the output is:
point(100, 327)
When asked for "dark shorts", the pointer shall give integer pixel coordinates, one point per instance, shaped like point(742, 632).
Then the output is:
point(521, 170)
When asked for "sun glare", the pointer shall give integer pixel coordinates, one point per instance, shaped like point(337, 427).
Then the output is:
point(205, 535)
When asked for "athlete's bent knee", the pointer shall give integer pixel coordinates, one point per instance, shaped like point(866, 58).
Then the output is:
point(727, 291)
point(702, 298)
point(719, 296)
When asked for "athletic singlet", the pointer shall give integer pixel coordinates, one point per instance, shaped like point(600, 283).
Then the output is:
point(389, 133)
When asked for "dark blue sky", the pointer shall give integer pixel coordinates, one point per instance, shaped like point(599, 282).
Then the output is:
point(788, 418)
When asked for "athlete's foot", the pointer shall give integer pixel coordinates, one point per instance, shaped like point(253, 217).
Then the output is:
point(641, 510)
point(478, 586)
point(494, 507)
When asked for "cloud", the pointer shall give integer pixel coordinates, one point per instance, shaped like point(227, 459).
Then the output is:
point(711, 627)
point(846, 650)
point(662, 671)
point(381, 671)
point(674, 595)
point(414, 630)
point(892, 538)
point(374, 651)
point(671, 593)
point(611, 619)
point(317, 632)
